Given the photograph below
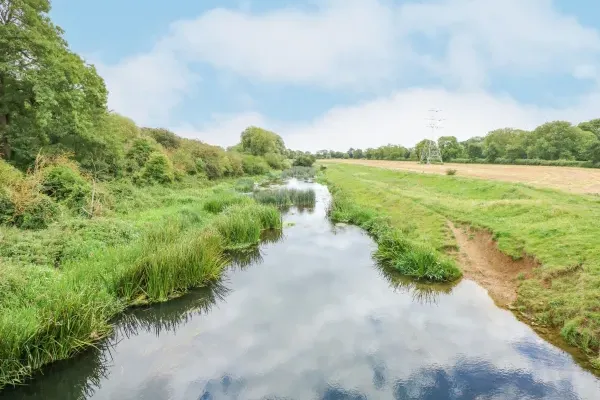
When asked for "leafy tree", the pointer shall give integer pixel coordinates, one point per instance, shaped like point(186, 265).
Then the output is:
point(474, 150)
point(593, 152)
point(258, 142)
point(558, 140)
point(493, 152)
point(358, 153)
point(591, 126)
point(449, 148)
point(48, 95)
point(422, 146)
point(164, 137)
point(305, 160)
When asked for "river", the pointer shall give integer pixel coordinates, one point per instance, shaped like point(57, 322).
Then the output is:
point(312, 317)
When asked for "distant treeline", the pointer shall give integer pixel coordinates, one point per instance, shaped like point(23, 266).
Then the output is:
point(553, 143)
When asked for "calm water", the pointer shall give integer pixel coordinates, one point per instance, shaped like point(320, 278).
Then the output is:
point(314, 318)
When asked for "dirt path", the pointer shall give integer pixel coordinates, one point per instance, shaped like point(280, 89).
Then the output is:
point(575, 180)
point(481, 261)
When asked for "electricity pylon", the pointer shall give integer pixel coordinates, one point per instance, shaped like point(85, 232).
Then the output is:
point(431, 154)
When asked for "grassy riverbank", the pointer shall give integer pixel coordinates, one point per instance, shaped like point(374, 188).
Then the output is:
point(61, 286)
point(560, 230)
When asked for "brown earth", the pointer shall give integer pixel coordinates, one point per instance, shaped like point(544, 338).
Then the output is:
point(482, 261)
point(571, 179)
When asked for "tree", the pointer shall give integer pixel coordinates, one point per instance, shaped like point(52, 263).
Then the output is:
point(558, 140)
point(449, 148)
point(593, 152)
point(358, 153)
point(474, 150)
point(48, 95)
point(258, 142)
point(591, 126)
point(421, 147)
point(493, 152)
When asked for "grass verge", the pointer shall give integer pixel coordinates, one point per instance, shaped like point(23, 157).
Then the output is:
point(559, 229)
point(60, 287)
point(394, 249)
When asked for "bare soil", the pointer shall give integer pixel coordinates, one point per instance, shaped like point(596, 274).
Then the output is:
point(482, 261)
point(571, 179)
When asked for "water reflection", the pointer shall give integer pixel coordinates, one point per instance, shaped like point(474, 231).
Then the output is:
point(316, 319)
point(424, 293)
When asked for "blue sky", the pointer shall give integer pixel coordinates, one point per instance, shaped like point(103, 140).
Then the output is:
point(341, 73)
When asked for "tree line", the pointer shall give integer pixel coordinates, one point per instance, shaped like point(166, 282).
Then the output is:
point(552, 143)
point(54, 103)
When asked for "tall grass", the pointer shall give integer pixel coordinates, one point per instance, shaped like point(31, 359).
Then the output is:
point(241, 225)
point(220, 201)
point(244, 185)
point(302, 173)
point(64, 303)
point(286, 197)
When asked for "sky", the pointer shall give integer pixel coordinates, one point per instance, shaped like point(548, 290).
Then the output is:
point(335, 74)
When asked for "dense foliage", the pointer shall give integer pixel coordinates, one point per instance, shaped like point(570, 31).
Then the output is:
point(557, 141)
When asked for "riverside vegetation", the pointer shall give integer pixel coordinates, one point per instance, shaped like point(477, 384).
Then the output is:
point(558, 229)
point(97, 213)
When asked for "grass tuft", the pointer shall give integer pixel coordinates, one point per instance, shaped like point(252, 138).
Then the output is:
point(220, 201)
point(286, 197)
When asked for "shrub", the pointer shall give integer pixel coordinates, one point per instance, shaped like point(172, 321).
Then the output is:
point(254, 165)
point(7, 208)
point(8, 174)
point(451, 171)
point(158, 169)
point(235, 165)
point(304, 160)
point(140, 152)
point(164, 137)
point(63, 182)
point(38, 213)
point(276, 161)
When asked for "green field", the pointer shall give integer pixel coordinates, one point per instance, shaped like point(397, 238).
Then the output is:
point(560, 230)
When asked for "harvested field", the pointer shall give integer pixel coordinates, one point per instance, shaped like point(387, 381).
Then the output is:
point(571, 179)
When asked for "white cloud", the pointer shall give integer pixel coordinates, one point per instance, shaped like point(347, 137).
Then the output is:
point(363, 45)
point(399, 119)
point(223, 129)
point(343, 43)
point(147, 87)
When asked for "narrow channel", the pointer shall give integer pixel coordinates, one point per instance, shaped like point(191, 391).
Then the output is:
point(312, 317)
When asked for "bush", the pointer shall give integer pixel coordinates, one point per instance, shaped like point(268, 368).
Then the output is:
point(164, 137)
point(38, 213)
point(236, 166)
point(276, 161)
point(63, 182)
point(139, 153)
point(158, 169)
point(7, 207)
point(304, 160)
point(8, 174)
point(254, 165)
point(451, 171)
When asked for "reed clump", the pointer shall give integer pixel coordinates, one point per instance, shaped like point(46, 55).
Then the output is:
point(240, 226)
point(220, 201)
point(299, 172)
point(286, 197)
